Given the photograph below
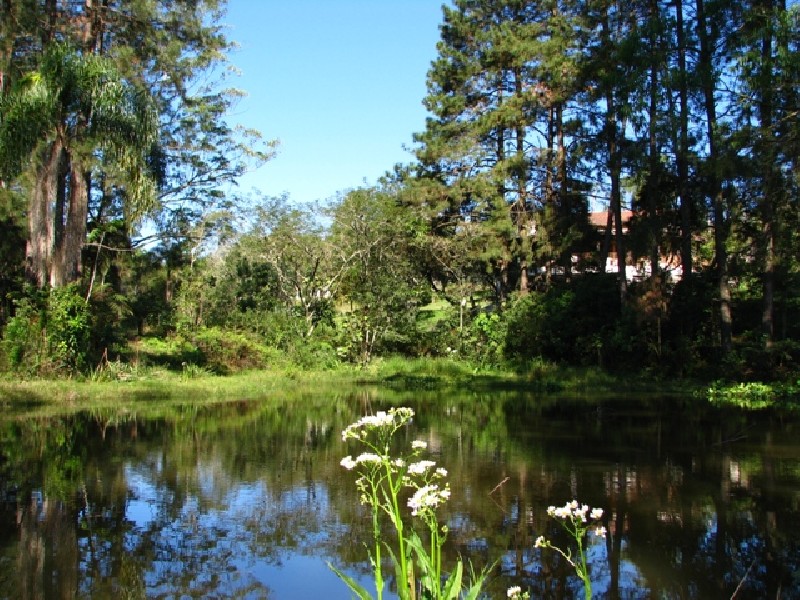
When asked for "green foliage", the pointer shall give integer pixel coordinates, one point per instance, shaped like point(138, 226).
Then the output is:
point(689, 329)
point(116, 370)
point(171, 352)
point(145, 285)
point(487, 339)
point(12, 256)
point(751, 361)
point(69, 328)
point(22, 338)
point(375, 239)
point(229, 351)
point(573, 323)
point(747, 395)
point(496, 202)
point(50, 334)
point(110, 314)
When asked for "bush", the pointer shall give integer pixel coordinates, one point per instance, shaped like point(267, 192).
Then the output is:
point(487, 338)
point(69, 328)
point(230, 351)
point(575, 323)
point(172, 352)
point(22, 338)
point(49, 334)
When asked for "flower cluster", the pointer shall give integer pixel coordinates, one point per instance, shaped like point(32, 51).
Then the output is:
point(421, 477)
point(515, 593)
point(573, 518)
point(349, 463)
point(577, 513)
point(419, 468)
point(427, 498)
point(391, 420)
point(383, 482)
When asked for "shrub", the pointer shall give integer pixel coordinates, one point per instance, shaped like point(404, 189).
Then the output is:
point(22, 338)
point(69, 328)
point(51, 333)
point(575, 323)
point(488, 334)
point(230, 351)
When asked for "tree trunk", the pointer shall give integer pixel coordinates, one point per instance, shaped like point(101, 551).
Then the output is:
point(616, 207)
point(522, 195)
point(654, 166)
point(682, 156)
point(59, 216)
point(7, 35)
point(564, 202)
point(605, 247)
point(39, 251)
point(772, 183)
point(705, 69)
point(612, 132)
point(75, 227)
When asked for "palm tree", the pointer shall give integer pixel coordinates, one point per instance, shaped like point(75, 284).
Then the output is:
point(59, 121)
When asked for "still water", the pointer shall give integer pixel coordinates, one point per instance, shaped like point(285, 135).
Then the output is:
point(248, 499)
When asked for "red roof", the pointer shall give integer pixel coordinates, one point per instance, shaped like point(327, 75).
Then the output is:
point(600, 219)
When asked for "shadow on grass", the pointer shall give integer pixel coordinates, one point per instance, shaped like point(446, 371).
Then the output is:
point(20, 399)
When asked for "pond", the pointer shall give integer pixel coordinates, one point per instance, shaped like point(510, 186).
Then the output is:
point(248, 499)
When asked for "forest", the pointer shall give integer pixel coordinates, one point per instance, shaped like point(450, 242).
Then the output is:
point(600, 183)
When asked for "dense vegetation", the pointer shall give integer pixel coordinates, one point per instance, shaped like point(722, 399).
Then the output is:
point(565, 137)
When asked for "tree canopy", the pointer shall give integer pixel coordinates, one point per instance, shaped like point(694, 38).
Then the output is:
point(609, 182)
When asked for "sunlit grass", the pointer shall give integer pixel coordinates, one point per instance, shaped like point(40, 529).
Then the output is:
point(159, 385)
point(121, 384)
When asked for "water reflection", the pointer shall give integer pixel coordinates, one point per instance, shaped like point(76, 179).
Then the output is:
point(248, 500)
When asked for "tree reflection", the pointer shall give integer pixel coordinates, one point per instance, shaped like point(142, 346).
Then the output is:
point(216, 500)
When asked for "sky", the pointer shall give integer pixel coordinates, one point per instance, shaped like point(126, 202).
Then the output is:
point(339, 83)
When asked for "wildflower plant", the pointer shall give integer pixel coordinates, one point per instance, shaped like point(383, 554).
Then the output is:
point(390, 486)
point(573, 518)
point(516, 593)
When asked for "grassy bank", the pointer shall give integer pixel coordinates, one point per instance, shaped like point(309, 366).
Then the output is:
point(161, 385)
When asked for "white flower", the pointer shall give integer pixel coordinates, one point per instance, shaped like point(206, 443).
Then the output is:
point(419, 445)
point(348, 463)
point(381, 419)
point(441, 472)
point(368, 457)
point(514, 591)
point(540, 542)
point(418, 468)
point(402, 411)
point(561, 512)
point(394, 418)
point(600, 532)
point(597, 513)
point(427, 497)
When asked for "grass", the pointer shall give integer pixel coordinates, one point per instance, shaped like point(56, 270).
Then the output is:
point(536, 376)
point(156, 386)
point(119, 383)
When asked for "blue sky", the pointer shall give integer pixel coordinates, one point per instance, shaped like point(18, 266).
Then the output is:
point(339, 83)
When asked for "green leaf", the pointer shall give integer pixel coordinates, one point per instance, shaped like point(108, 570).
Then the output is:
point(452, 588)
point(478, 581)
point(354, 586)
point(402, 588)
